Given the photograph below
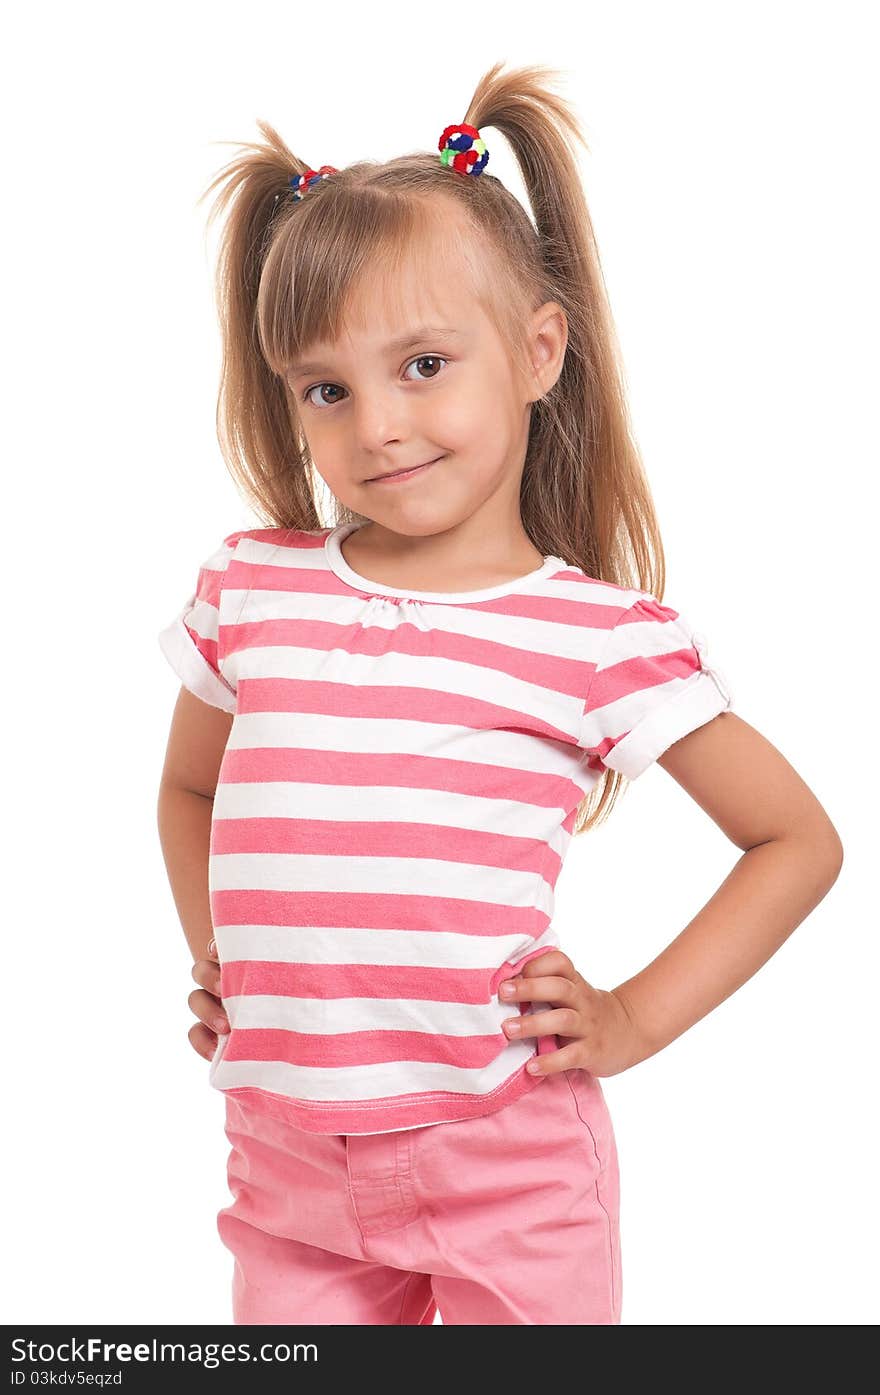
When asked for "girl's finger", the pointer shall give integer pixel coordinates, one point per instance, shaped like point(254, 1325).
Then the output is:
point(206, 972)
point(207, 1007)
point(534, 1024)
point(203, 1040)
point(551, 990)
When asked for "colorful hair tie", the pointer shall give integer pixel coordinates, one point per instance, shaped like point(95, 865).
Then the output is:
point(463, 148)
point(301, 183)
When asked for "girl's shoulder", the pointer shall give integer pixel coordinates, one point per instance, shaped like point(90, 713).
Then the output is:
point(591, 590)
point(253, 547)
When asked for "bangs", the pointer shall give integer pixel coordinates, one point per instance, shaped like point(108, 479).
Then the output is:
point(358, 253)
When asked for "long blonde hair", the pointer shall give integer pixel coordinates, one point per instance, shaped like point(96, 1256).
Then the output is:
point(287, 268)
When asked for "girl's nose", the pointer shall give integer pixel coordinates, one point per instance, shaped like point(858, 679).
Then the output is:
point(381, 422)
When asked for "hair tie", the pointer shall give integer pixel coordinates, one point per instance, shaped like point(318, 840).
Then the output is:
point(301, 183)
point(463, 148)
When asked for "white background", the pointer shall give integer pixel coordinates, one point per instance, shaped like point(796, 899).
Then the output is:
point(731, 178)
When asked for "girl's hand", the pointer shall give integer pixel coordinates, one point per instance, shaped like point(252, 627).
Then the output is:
point(206, 1004)
point(598, 1033)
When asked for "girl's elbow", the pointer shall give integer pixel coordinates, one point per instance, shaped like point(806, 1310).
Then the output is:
point(829, 851)
point(821, 847)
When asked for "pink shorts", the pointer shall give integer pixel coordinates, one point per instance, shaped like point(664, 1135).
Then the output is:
point(510, 1217)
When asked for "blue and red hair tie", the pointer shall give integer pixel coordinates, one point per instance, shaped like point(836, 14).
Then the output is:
point(463, 148)
point(302, 183)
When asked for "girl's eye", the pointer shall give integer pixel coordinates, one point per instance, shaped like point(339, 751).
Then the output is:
point(422, 358)
point(308, 392)
point(428, 358)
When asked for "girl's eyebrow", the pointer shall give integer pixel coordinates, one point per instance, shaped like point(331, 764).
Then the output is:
point(406, 341)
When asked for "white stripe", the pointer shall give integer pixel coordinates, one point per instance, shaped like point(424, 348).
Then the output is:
point(645, 639)
point(319, 944)
point(556, 638)
point(392, 669)
point(341, 1084)
point(337, 1016)
point(346, 874)
point(318, 731)
point(386, 804)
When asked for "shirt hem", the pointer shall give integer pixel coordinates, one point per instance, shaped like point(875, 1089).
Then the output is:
point(381, 1116)
point(691, 707)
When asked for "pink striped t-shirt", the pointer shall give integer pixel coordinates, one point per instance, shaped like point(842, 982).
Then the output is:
point(394, 805)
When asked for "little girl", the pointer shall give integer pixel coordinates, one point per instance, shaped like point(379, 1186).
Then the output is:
point(391, 728)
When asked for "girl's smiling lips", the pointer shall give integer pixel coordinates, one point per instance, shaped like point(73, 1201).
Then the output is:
point(396, 476)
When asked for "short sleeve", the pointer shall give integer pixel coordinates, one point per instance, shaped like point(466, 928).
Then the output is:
point(191, 642)
point(652, 685)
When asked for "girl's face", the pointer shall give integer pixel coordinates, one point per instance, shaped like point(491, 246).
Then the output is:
point(438, 386)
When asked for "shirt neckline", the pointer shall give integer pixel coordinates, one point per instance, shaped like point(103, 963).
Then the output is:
point(341, 569)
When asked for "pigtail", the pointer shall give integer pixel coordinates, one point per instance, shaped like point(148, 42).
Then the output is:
point(584, 496)
point(256, 430)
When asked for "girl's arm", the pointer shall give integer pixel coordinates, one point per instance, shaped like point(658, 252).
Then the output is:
point(792, 857)
point(184, 819)
point(196, 743)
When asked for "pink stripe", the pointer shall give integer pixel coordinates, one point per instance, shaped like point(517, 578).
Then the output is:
point(231, 540)
point(361, 1048)
point(290, 980)
point(206, 647)
point(639, 674)
point(558, 610)
point(378, 838)
point(208, 585)
point(607, 744)
point(648, 606)
point(390, 703)
point(395, 770)
point(278, 579)
point(511, 967)
point(377, 910)
point(556, 674)
point(294, 538)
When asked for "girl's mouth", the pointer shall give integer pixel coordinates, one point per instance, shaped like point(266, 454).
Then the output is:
point(399, 476)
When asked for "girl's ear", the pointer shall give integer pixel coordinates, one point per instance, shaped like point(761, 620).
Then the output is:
point(548, 342)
